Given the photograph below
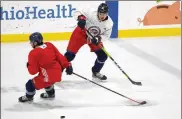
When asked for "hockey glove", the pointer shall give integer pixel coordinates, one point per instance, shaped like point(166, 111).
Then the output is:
point(96, 40)
point(81, 21)
point(27, 64)
point(69, 70)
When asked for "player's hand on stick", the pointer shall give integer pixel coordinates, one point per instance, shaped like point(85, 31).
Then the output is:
point(69, 69)
point(81, 21)
point(96, 40)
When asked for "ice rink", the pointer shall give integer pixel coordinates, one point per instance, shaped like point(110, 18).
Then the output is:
point(156, 62)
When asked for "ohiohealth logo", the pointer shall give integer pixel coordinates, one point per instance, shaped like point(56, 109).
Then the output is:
point(34, 12)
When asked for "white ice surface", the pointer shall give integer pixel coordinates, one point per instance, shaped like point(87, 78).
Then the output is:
point(77, 98)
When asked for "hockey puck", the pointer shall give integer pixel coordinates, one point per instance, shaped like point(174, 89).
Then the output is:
point(62, 117)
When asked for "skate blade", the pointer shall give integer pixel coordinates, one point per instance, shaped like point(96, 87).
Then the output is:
point(98, 80)
point(27, 102)
point(48, 99)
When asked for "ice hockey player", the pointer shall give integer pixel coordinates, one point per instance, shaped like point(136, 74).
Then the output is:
point(49, 63)
point(99, 24)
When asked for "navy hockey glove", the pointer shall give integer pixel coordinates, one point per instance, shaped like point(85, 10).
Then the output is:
point(81, 21)
point(96, 40)
point(69, 70)
point(27, 64)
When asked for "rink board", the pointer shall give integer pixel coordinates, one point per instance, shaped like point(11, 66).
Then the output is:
point(121, 34)
point(55, 19)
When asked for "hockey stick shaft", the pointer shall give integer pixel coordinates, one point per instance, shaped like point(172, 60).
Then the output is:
point(117, 64)
point(106, 88)
point(133, 82)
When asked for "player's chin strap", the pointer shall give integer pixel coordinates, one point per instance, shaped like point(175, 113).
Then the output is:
point(139, 103)
point(133, 82)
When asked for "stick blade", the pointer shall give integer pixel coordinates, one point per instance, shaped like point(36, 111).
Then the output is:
point(137, 83)
point(138, 103)
point(142, 103)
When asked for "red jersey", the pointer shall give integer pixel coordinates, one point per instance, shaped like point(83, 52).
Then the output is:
point(47, 61)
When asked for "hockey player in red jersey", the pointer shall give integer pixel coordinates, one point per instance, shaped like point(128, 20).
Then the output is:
point(49, 63)
point(99, 23)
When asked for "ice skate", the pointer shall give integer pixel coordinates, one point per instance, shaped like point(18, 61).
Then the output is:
point(25, 99)
point(47, 96)
point(99, 76)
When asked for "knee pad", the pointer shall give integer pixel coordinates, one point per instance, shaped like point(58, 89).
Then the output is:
point(30, 88)
point(101, 56)
point(69, 55)
point(50, 90)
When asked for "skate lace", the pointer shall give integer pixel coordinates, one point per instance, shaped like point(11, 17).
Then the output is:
point(99, 75)
point(45, 95)
point(24, 98)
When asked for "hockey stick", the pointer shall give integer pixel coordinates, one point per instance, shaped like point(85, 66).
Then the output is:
point(75, 15)
point(133, 82)
point(140, 103)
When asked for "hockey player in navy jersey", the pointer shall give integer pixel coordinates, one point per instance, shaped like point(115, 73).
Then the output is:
point(99, 24)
